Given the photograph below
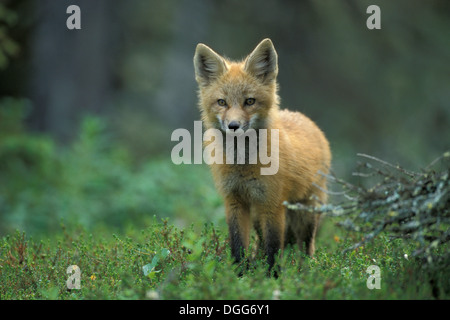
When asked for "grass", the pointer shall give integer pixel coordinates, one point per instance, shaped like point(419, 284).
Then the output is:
point(197, 265)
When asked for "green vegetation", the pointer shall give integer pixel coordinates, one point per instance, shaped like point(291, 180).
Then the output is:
point(91, 182)
point(195, 264)
point(89, 205)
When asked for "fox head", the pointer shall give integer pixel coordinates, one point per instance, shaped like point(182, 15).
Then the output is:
point(237, 95)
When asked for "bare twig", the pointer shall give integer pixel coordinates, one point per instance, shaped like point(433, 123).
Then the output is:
point(407, 172)
point(445, 155)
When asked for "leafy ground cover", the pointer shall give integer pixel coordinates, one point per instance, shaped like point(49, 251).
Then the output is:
point(165, 262)
point(154, 230)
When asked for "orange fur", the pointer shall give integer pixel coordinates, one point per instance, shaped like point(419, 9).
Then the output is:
point(251, 198)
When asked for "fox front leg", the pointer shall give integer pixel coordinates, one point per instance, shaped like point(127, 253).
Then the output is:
point(238, 219)
point(272, 223)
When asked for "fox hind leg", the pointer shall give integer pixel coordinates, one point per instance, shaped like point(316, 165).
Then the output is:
point(301, 230)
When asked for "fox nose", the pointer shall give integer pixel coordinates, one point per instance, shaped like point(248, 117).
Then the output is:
point(234, 125)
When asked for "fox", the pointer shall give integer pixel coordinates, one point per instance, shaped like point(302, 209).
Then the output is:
point(243, 95)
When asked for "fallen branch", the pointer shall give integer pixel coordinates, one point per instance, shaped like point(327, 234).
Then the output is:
point(401, 203)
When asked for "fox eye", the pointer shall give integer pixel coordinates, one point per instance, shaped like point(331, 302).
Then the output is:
point(221, 102)
point(250, 101)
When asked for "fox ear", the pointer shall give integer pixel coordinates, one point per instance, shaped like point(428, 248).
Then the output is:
point(263, 61)
point(208, 65)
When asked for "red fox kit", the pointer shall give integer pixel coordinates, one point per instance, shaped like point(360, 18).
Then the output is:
point(243, 95)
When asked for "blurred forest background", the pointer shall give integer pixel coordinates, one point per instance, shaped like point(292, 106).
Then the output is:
point(86, 115)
